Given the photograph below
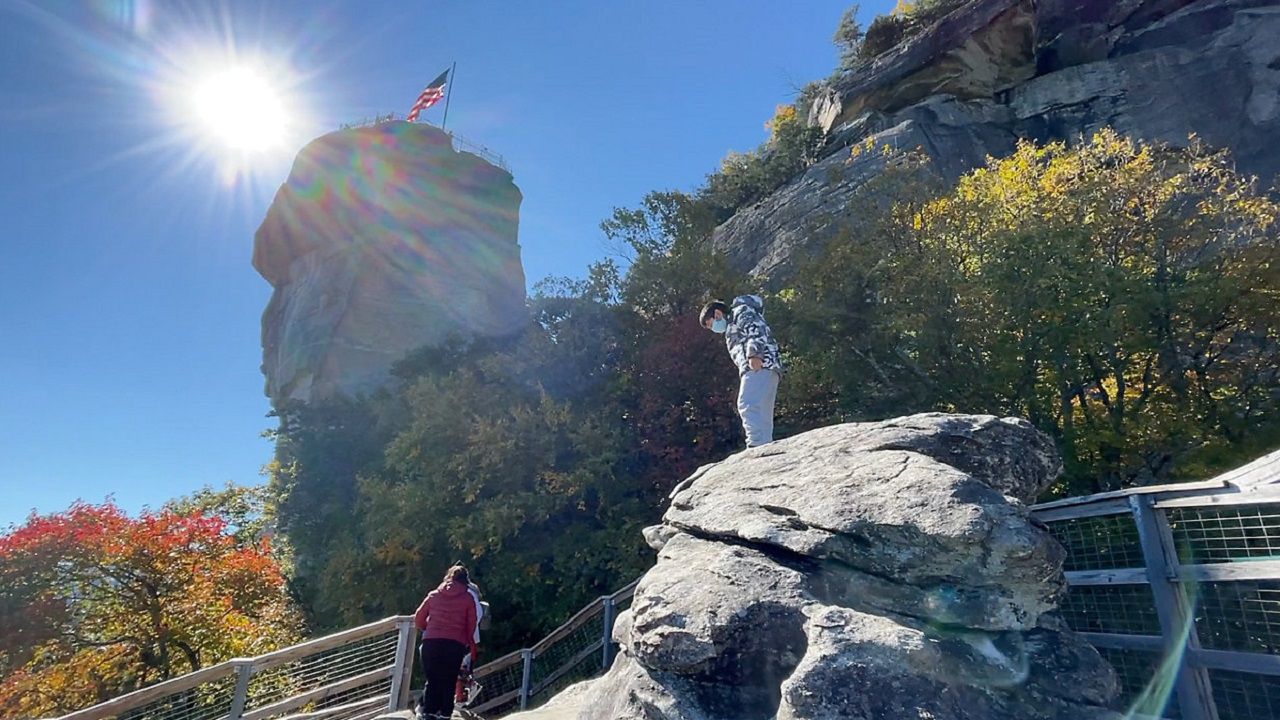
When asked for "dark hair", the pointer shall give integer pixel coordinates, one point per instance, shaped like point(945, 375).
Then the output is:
point(709, 310)
point(457, 573)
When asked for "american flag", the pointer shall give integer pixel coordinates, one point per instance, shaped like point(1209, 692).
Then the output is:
point(430, 96)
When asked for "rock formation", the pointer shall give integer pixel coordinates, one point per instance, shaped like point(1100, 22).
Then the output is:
point(874, 571)
point(382, 240)
point(999, 70)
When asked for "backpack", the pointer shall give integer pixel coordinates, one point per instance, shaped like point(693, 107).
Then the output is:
point(484, 606)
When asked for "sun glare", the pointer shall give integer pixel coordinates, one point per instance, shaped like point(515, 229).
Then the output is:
point(241, 109)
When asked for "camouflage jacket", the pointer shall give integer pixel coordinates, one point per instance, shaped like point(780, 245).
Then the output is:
point(748, 335)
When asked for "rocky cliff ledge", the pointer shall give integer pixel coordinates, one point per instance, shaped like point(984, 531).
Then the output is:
point(999, 70)
point(875, 571)
point(382, 240)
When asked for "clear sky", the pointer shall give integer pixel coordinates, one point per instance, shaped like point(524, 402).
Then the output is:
point(129, 311)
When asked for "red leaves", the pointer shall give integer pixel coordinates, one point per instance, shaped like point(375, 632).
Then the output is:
point(94, 603)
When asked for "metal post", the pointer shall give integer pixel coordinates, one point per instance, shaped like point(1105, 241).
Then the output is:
point(606, 655)
point(244, 671)
point(448, 95)
point(1195, 697)
point(402, 674)
point(527, 655)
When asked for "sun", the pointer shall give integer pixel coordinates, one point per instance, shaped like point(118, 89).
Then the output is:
point(239, 107)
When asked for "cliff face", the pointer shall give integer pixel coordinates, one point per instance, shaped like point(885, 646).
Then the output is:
point(382, 240)
point(999, 70)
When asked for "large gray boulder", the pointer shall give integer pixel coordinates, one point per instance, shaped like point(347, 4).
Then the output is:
point(997, 71)
point(870, 571)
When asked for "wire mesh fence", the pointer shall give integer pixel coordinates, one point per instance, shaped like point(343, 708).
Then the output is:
point(1127, 609)
point(345, 676)
point(1103, 542)
point(1242, 615)
point(1245, 696)
point(1135, 669)
point(208, 701)
point(353, 671)
point(500, 683)
point(352, 702)
point(573, 652)
point(575, 656)
point(1233, 534)
point(1218, 552)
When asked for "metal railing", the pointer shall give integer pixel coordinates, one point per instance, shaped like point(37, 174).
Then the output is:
point(1178, 586)
point(577, 650)
point(360, 673)
point(351, 675)
point(460, 143)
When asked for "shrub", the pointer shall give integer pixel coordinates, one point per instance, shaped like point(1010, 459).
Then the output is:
point(888, 31)
point(744, 178)
point(884, 34)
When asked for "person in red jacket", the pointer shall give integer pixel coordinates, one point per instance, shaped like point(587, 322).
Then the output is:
point(447, 619)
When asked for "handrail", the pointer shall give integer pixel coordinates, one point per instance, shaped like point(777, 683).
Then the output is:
point(228, 668)
point(141, 697)
point(462, 144)
point(528, 655)
point(342, 637)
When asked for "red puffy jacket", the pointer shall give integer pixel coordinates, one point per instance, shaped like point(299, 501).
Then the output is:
point(447, 612)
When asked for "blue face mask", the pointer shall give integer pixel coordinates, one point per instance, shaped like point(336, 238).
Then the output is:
point(719, 325)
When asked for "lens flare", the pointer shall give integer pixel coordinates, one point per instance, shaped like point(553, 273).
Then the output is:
point(241, 109)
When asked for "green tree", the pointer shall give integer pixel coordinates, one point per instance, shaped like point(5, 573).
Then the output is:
point(1120, 295)
point(848, 37)
point(321, 450)
point(245, 509)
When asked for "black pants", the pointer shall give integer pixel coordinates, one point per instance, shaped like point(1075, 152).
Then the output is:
point(440, 662)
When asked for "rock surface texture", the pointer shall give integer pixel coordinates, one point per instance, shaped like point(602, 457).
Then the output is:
point(383, 239)
point(999, 70)
point(875, 571)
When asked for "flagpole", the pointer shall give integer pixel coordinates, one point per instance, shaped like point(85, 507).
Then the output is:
point(449, 95)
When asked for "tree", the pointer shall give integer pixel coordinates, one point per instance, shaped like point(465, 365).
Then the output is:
point(321, 448)
point(1125, 295)
point(852, 355)
point(848, 37)
point(245, 509)
point(1122, 296)
point(94, 603)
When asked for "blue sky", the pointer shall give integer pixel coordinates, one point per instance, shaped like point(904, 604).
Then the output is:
point(129, 311)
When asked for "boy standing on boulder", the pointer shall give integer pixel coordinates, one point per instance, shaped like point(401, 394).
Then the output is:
point(755, 352)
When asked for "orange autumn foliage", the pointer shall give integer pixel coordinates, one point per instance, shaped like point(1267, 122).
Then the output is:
point(94, 604)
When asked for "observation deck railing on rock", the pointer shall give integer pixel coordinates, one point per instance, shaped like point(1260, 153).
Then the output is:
point(1178, 586)
point(460, 143)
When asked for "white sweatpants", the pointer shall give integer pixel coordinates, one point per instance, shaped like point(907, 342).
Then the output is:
point(756, 395)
